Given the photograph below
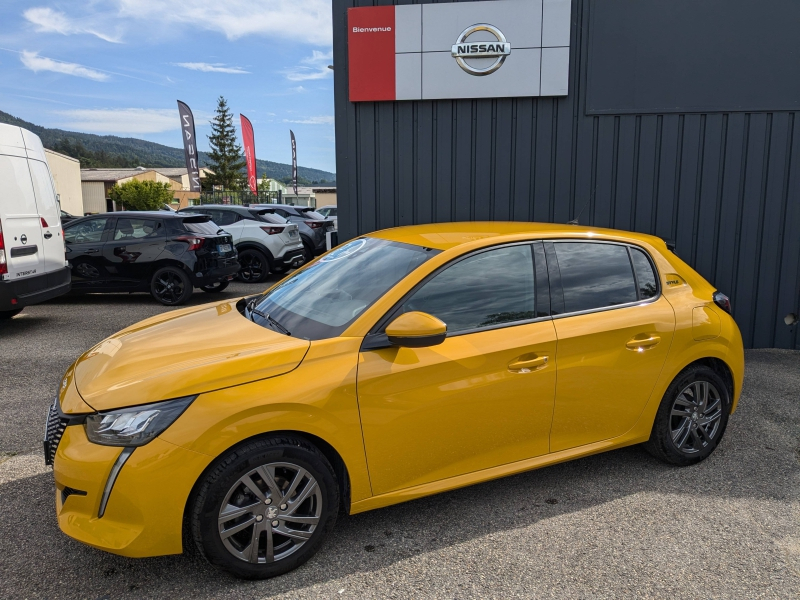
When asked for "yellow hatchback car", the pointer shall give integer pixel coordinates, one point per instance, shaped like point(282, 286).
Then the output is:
point(403, 363)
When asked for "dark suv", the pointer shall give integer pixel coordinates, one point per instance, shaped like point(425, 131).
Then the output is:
point(313, 226)
point(166, 254)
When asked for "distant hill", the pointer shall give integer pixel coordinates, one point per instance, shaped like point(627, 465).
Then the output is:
point(112, 151)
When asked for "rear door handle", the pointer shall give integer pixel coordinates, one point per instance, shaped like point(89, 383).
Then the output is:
point(528, 363)
point(642, 344)
point(90, 251)
point(48, 235)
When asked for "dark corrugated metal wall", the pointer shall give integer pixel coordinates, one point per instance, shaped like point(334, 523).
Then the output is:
point(724, 186)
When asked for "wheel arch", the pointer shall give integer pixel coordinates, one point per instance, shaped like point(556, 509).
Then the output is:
point(720, 367)
point(250, 245)
point(327, 449)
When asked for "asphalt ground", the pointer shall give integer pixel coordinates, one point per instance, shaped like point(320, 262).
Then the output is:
point(619, 524)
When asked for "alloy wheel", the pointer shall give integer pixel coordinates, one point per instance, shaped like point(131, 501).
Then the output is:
point(251, 267)
point(695, 417)
point(168, 287)
point(270, 513)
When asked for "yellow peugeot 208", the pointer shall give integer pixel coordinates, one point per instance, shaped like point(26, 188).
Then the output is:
point(403, 363)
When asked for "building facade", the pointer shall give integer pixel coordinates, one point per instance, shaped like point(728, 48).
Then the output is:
point(66, 173)
point(679, 119)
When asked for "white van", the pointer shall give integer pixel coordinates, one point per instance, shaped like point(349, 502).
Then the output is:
point(33, 267)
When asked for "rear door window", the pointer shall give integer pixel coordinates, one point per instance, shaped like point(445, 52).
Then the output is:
point(43, 186)
point(645, 276)
point(595, 275)
point(137, 229)
point(486, 289)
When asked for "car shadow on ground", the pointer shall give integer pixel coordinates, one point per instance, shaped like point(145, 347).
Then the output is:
point(744, 468)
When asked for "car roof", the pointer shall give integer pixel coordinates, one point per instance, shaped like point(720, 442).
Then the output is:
point(161, 214)
point(443, 236)
point(215, 207)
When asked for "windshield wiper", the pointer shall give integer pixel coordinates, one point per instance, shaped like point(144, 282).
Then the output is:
point(274, 322)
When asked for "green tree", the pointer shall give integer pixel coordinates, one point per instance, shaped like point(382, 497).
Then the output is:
point(141, 195)
point(227, 160)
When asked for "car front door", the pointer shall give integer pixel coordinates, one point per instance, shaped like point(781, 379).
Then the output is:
point(84, 250)
point(132, 250)
point(482, 398)
point(614, 332)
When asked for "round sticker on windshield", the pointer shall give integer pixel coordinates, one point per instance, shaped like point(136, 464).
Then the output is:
point(345, 251)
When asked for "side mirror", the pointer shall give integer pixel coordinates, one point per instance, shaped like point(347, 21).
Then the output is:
point(416, 330)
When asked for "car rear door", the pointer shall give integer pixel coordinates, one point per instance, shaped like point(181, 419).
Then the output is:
point(47, 204)
point(131, 252)
point(614, 332)
point(19, 214)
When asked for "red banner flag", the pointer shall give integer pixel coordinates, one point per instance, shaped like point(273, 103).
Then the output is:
point(249, 143)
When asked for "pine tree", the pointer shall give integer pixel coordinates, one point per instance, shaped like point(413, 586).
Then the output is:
point(226, 154)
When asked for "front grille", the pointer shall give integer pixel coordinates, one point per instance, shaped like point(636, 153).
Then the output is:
point(53, 431)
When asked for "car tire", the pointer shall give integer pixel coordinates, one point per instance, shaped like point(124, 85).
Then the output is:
point(308, 253)
point(7, 314)
point(170, 286)
point(691, 418)
point(215, 288)
point(299, 473)
point(254, 266)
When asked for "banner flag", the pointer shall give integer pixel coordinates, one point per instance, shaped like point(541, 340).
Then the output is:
point(249, 142)
point(189, 146)
point(294, 162)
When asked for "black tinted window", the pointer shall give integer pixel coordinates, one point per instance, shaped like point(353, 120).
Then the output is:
point(487, 289)
point(137, 229)
point(594, 275)
point(312, 214)
point(223, 217)
point(86, 231)
point(644, 274)
point(269, 217)
point(209, 227)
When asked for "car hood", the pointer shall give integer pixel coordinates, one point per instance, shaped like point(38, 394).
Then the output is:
point(182, 353)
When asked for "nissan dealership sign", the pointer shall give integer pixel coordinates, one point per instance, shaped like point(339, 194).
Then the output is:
point(504, 48)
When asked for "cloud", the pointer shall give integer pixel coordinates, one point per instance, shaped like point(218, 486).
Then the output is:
point(37, 63)
point(324, 120)
point(210, 68)
point(306, 21)
point(122, 120)
point(47, 20)
point(312, 67)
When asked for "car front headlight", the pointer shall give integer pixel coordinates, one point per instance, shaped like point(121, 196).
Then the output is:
point(134, 426)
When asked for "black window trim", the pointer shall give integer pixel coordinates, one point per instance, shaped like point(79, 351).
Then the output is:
point(377, 339)
point(555, 276)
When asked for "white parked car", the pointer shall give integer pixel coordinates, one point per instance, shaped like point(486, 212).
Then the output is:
point(266, 242)
point(329, 212)
point(33, 267)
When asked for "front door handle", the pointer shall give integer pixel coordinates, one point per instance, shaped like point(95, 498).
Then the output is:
point(527, 363)
point(48, 235)
point(90, 251)
point(638, 344)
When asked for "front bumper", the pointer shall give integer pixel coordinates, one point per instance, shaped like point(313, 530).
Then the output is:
point(18, 293)
point(144, 512)
point(223, 268)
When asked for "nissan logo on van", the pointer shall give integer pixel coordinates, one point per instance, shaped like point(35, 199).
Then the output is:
point(23, 238)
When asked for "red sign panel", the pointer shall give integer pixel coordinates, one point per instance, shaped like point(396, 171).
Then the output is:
point(370, 41)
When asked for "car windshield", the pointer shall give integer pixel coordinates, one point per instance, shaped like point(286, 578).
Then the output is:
point(323, 299)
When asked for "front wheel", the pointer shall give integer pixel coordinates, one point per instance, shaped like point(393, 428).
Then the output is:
point(692, 417)
point(170, 286)
point(265, 508)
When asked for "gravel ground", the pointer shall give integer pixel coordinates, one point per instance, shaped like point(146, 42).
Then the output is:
point(614, 525)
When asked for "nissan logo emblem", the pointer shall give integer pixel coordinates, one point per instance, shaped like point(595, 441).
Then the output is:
point(23, 238)
point(462, 50)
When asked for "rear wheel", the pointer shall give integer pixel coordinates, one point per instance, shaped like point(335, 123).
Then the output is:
point(308, 252)
point(265, 508)
point(254, 266)
point(170, 286)
point(7, 314)
point(213, 288)
point(692, 417)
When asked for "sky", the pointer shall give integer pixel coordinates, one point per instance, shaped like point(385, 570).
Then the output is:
point(118, 66)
